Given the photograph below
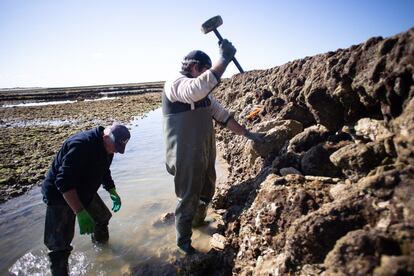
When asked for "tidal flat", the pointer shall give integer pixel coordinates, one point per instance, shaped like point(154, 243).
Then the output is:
point(30, 135)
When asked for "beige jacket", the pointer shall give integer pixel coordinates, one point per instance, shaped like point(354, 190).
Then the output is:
point(190, 90)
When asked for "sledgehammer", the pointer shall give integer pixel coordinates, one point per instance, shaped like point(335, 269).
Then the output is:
point(211, 25)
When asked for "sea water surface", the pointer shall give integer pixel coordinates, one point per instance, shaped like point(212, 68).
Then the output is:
point(147, 192)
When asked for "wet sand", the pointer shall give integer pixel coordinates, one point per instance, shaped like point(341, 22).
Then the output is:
point(31, 135)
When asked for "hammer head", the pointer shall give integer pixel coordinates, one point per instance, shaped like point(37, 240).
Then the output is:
point(211, 24)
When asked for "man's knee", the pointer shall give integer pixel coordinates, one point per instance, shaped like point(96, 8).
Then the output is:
point(59, 228)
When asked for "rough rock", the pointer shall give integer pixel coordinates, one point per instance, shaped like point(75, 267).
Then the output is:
point(372, 129)
point(218, 241)
point(289, 170)
point(308, 138)
point(394, 265)
point(316, 160)
point(325, 109)
point(404, 138)
point(358, 159)
point(359, 251)
point(276, 137)
point(293, 111)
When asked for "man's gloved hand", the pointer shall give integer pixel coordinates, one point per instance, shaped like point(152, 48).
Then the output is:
point(255, 137)
point(227, 51)
point(116, 199)
point(86, 222)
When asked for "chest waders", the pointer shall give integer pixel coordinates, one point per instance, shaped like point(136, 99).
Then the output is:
point(190, 157)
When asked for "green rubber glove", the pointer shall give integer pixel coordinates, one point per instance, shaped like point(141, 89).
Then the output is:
point(116, 199)
point(86, 222)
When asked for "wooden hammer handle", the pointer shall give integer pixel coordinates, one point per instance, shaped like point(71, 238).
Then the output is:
point(234, 58)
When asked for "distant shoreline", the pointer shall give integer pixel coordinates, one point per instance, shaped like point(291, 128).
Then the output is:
point(11, 89)
point(31, 135)
point(14, 95)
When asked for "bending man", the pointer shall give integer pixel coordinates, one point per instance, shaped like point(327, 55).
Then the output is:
point(70, 190)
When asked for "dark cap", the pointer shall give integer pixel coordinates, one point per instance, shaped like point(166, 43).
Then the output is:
point(199, 56)
point(120, 135)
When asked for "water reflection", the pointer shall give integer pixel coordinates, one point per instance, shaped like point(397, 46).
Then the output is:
point(31, 104)
point(146, 191)
point(38, 103)
point(37, 122)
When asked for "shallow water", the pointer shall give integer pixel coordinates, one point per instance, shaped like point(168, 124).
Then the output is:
point(30, 104)
point(37, 122)
point(38, 103)
point(147, 193)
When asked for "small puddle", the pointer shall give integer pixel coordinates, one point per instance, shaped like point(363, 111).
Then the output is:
point(147, 192)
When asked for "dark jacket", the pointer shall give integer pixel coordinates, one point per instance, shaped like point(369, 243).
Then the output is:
point(81, 163)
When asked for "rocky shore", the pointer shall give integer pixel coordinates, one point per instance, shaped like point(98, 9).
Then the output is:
point(331, 192)
point(31, 136)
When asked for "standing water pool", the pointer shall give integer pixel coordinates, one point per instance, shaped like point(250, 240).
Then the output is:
point(147, 192)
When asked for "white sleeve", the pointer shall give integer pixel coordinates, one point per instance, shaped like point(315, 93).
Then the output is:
point(190, 90)
point(219, 113)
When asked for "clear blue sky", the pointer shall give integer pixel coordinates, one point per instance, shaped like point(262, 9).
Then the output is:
point(52, 43)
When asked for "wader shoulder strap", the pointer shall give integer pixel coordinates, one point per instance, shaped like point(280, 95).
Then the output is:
point(169, 107)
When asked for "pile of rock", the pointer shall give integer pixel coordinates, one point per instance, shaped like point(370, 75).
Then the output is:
point(331, 189)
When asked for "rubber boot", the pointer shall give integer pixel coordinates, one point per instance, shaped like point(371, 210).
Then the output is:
point(59, 263)
point(200, 214)
point(100, 234)
point(187, 249)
